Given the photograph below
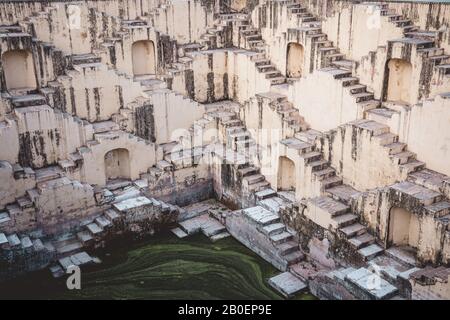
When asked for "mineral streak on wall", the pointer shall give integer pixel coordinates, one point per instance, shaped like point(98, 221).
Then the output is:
point(323, 126)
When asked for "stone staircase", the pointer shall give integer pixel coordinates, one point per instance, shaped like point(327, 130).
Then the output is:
point(24, 208)
point(66, 248)
point(363, 284)
point(269, 224)
point(327, 55)
point(205, 224)
point(304, 143)
point(384, 277)
point(243, 36)
point(293, 122)
point(400, 157)
point(237, 150)
point(340, 219)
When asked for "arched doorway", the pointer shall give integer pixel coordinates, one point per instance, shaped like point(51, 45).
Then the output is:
point(143, 55)
point(294, 60)
point(286, 174)
point(18, 68)
point(399, 80)
point(117, 164)
point(403, 228)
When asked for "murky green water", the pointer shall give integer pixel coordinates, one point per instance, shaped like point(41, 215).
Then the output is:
point(162, 267)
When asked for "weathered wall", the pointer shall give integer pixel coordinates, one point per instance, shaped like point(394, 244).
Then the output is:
point(375, 208)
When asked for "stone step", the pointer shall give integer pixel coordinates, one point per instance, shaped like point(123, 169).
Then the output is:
point(219, 236)
point(301, 146)
point(395, 147)
point(77, 259)
point(390, 269)
point(324, 173)
point(266, 68)
point(274, 204)
point(349, 81)
point(438, 209)
point(57, 271)
point(261, 62)
point(26, 243)
point(406, 256)
point(248, 171)
point(274, 228)
point(344, 64)
point(13, 240)
point(318, 165)
point(94, 229)
point(271, 74)
point(250, 31)
point(312, 156)
point(3, 240)
point(85, 237)
point(165, 208)
point(47, 174)
point(281, 237)
point(428, 179)
point(287, 247)
point(24, 202)
point(357, 88)
point(343, 193)
point(362, 240)
point(294, 257)
point(287, 284)
point(370, 252)
point(266, 193)
point(331, 182)
point(403, 157)
point(339, 274)
point(344, 220)
point(386, 138)
point(112, 215)
point(68, 246)
point(232, 123)
point(332, 207)
point(179, 232)
point(28, 100)
point(288, 197)
point(277, 80)
point(353, 230)
point(363, 96)
point(261, 216)
point(252, 179)
point(423, 195)
point(370, 284)
point(38, 245)
point(4, 218)
point(328, 50)
point(334, 57)
point(85, 58)
point(164, 165)
point(103, 222)
point(412, 166)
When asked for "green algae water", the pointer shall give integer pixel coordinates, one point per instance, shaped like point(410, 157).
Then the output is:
point(162, 267)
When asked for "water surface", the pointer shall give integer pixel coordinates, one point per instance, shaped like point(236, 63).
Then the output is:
point(162, 267)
